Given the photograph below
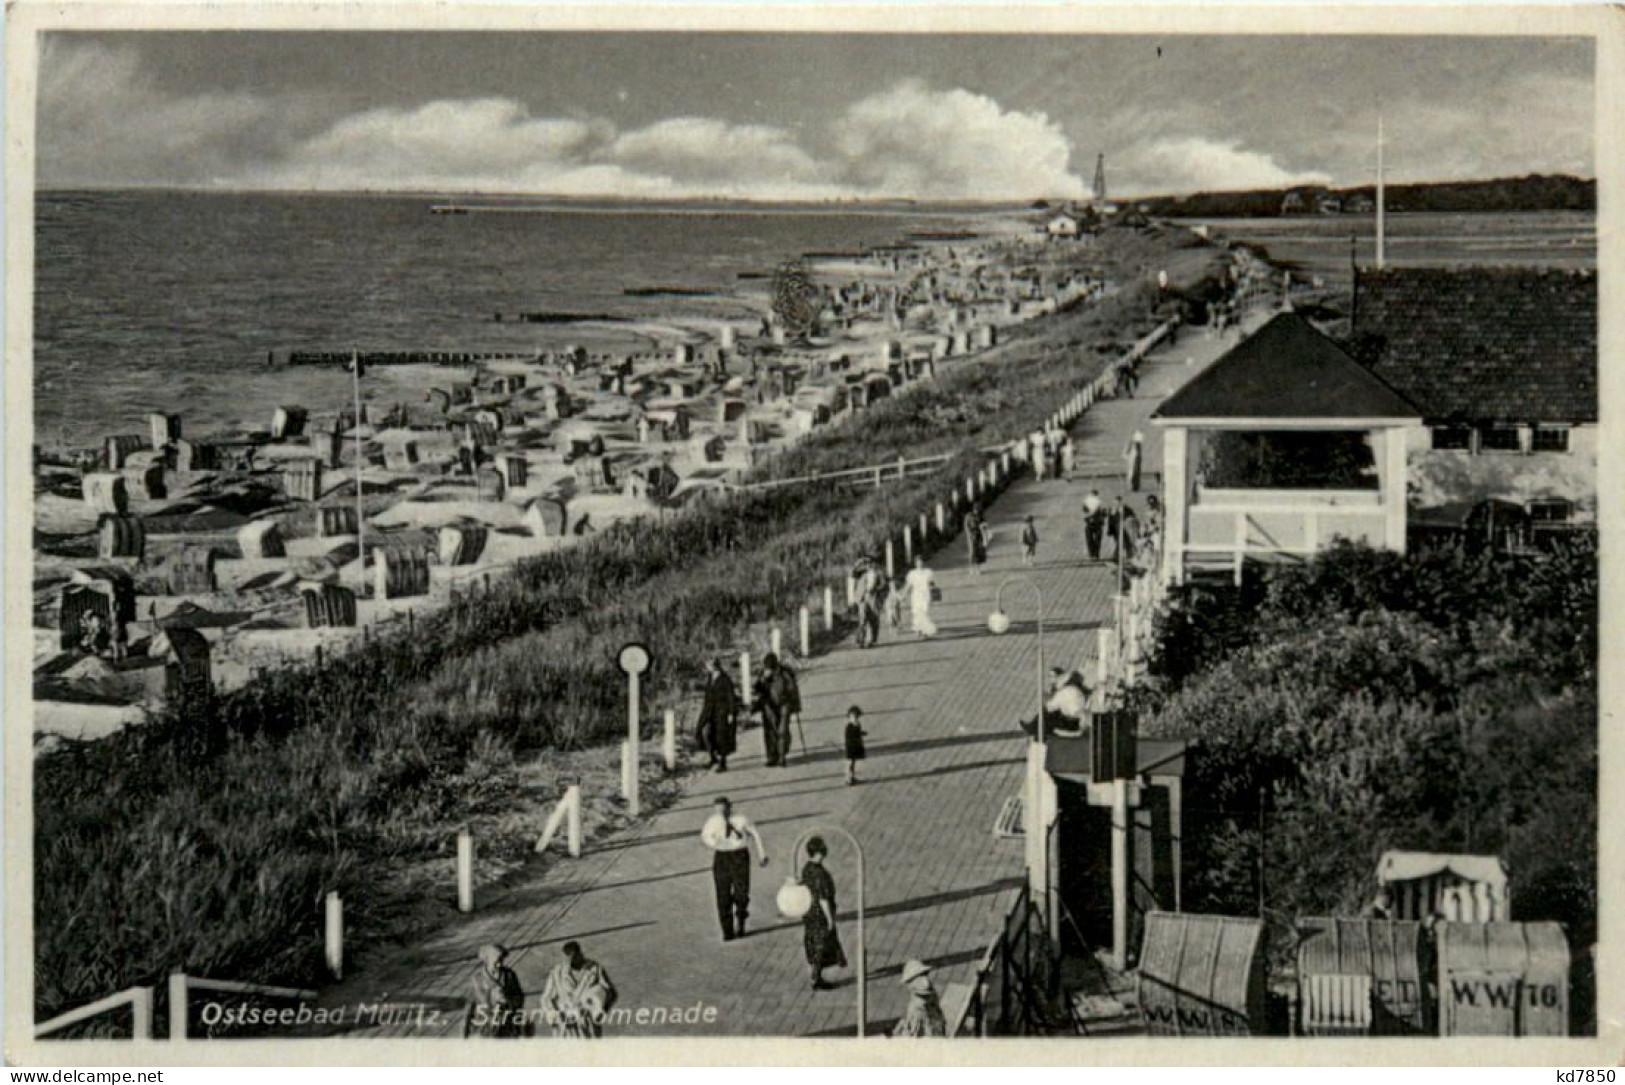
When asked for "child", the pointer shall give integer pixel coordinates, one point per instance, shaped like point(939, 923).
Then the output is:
point(1029, 542)
point(854, 743)
point(894, 606)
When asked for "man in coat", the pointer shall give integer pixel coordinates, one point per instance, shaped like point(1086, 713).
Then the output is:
point(777, 699)
point(719, 716)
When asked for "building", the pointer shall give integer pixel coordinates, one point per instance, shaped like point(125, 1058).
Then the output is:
point(1062, 225)
point(1282, 445)
point(1502, 364)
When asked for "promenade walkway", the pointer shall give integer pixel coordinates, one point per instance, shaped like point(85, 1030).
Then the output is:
point(944, 756)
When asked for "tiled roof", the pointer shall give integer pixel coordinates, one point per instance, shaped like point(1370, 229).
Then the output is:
point(1287, 370)
point(1483, 344)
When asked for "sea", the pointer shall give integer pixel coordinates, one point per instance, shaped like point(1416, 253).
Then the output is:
point(170, 301)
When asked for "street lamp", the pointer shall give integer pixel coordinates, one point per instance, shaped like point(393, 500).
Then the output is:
point(795, 901)
point(999, 623)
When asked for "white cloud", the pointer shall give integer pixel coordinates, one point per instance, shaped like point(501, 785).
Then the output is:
point(915, 141)
point(705, 150)
point(1197, 163)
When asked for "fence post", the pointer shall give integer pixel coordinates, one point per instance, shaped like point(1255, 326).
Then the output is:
point(925, 527)
point(744, 675)
point(178, 1025)
point(668, 743)
point(572, 822)
point(851, 589)
point(776, 640)
point(829, 608)
point(908, 544)
point(942, 519)
point(891, 561)
point(465, 871)
point(970, 490)
point(335, 935)
point(806, 634)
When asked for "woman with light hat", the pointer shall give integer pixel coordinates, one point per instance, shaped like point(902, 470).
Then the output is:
point(924, 1014)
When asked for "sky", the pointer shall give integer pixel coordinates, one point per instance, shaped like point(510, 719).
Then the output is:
point(801, 116)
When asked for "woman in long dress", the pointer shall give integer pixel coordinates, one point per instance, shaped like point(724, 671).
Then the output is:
point(922, 586)
point(818, 935)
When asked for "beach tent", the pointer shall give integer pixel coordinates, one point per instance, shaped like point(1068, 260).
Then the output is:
point(328, 605)
point(1362, 977)
point(165, 429)
point(1460, 888)
point(302, 479)
point(120, 537)
point(399, 572)
point(148, 481)
point(336, 520)
point(192, 571)
point(1202, 975)
point(106, 493)
point(261, 539)
point(119, 449)
point(107, 592)
point(288, 423)
point(546, 518)
point(462, 544)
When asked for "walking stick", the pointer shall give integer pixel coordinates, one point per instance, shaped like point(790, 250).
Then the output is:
point(803, 733)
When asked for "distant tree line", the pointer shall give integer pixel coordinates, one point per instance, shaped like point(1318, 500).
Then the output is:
point(1532, 193)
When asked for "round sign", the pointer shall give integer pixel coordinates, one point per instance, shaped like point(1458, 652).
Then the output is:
point(634, 659)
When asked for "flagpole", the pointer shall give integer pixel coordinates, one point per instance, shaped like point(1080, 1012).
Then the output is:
point(360, 515)
point(1380, 195)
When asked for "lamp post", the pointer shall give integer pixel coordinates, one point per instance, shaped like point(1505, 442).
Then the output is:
point(793, 905)
point(1034, 795)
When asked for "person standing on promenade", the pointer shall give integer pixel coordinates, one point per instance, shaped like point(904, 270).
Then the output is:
point(855, 751)
point(719, 716)
point(496, 1003)
point(776, 699)
point(924, 1017)
point(578, 995)
point(1029, 542)
point(1125, 528)
point(976, 541)
point(1134, 457)
point(1036, 453)
point(729, 836)
point(819, 939)
point(1069, 458)
point(869, 593)
point(1094, 523)
point(922, 592)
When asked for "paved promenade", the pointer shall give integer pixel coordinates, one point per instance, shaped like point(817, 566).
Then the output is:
point(944, 756)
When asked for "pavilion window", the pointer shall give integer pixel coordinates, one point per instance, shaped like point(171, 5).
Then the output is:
point(1452, 438)
point(1499, 438)
point(1549, 438)
point(1554, 510)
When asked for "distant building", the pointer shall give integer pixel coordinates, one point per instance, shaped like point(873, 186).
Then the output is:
point(1294, 203)
point(1063, 225)
point(1359, 204)
point(1329, 205)
point(1502, 364)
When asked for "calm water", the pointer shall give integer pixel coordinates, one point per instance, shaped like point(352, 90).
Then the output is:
point(1318, 245)
point(170, 301)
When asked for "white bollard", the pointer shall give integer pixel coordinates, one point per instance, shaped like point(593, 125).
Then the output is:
point(908, 544)
point(335, 935)
point(970, 489)
point(572, 824)
point(925, 527)
point(465, 872)
point(829, 608)
point(776, 641)
point(942, 519)
point(891, 561)
point(851, 590)
point(178, 1008)
point(1103, 651)
point(744, 675)
point(668, 741)
point(628, 772)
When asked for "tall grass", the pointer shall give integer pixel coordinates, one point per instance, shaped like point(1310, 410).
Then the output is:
point(205, 844)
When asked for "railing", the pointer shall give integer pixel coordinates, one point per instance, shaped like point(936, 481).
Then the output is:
point(1014, 990)
point(138, 999)
point(873, 475)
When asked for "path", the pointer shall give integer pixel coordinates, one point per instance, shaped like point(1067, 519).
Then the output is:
point(944, 756)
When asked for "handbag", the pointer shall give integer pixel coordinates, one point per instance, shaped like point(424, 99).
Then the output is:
point(936, 594)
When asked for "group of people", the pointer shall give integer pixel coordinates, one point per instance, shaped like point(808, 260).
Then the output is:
point(1050, 453)
point(575, 1002)
point(776, 696)
point(876, 597)
point(731, 837)
point(1132, 538)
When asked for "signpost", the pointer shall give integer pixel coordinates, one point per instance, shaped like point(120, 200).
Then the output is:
point(634, 661)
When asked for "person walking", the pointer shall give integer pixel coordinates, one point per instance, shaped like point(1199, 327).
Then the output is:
point(1125, 530)
point(578, 995)
point(854, 743)
point(976, 541)
point(1094, 523)
point(819, 939)
point(777, 699)
point(869, 596)
point(922, 592)
point(719, 716)
point(1069, 458)
point(923, 1017)
point(1029, 542)
point(729, 836)
point(496, 1002)
point(1134, 457)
